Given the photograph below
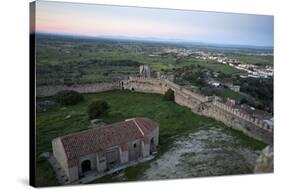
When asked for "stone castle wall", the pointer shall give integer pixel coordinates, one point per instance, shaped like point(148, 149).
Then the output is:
point(204, 106)
point(50, 90)
point(199, 104)
point(241, 122)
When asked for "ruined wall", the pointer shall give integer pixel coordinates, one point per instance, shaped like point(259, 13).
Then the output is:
point(204, 106)
point(49, 90)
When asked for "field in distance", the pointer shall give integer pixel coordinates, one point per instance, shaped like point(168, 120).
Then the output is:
point(69, 60)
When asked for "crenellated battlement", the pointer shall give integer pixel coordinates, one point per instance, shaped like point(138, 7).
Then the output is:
point(242, 115)
point(167, 85)
point(204, 105)
point(230, 116)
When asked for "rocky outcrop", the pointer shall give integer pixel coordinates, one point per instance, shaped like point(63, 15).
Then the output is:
point(264, 163)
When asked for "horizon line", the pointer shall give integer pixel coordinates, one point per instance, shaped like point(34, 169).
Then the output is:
point(151, 39)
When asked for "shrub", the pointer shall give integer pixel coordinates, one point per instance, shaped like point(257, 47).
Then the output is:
point(169, 95)
point(98, 109)
point(68, 97)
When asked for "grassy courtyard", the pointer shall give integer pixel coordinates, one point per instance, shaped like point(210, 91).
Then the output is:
point(174, 120)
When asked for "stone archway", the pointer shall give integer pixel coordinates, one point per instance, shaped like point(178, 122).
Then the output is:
point(86, 166)
point(133, 89)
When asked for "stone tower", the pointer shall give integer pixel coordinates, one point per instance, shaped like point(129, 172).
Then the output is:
point(145, 71)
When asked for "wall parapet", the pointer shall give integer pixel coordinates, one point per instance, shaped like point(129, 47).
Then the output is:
point(50, 90)
point(259, 123)
point(183, 97)
point(185, 93)
point(169, 84)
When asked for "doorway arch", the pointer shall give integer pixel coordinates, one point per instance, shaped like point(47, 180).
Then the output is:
point(86, 166)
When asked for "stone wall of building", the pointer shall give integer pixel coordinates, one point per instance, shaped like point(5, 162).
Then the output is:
point(50, 90)
point(92, 158)
point(73, 174)
point(124, 156)
point(101, 162)
point(60, 156)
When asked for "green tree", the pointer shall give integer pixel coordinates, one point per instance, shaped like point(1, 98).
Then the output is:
point(169, 95)
point(98, 109)
point(68, 97)
point(244, 101)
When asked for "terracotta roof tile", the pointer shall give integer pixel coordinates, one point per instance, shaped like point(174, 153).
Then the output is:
point(100, 138)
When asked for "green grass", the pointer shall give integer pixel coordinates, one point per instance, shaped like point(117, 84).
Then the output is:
point(44, 174)
point(174, 121)
point(67, 59)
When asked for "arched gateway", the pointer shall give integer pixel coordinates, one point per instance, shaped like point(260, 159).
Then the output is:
point(86, 166)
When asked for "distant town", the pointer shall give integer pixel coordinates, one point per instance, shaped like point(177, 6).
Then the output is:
point(255, 71)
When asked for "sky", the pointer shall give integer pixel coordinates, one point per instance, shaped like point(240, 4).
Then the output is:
point(157, 24)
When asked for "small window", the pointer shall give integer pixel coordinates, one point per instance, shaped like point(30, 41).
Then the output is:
point(135, 145)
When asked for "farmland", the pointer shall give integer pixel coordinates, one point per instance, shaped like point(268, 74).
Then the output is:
point(73, 60)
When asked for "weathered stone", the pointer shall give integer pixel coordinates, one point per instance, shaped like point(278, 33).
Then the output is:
point(67, 116)
point(107, 154)
point(199, 104)
point(264, 163)
point(202, 105)
point(49, 90)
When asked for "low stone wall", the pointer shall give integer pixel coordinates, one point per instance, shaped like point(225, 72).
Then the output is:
point(50, 90)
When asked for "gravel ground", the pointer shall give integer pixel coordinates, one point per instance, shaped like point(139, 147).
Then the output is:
point(210, 152)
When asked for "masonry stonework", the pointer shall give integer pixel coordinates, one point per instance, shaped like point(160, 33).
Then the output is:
point(50, 90)
point(97, 151)
point(204, 106)
point(197, 103)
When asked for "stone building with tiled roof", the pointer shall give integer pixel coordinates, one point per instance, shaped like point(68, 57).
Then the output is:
point(101, 149)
